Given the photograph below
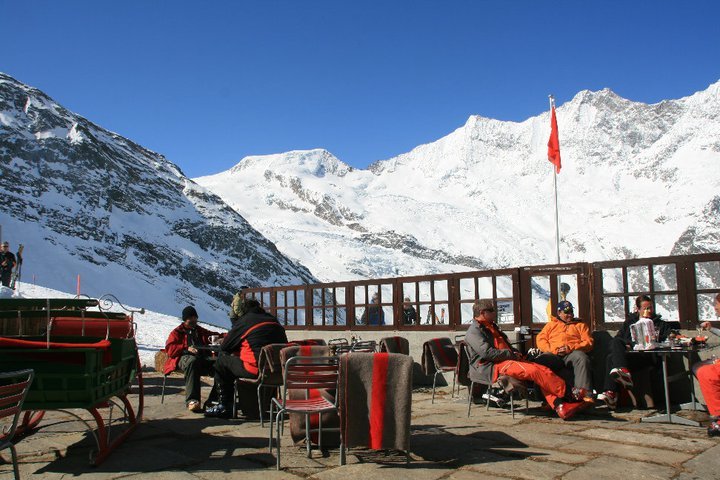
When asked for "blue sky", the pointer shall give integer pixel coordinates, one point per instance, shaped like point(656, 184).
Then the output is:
point(206, 83)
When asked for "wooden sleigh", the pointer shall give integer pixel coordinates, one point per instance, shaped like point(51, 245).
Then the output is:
point(82, 359)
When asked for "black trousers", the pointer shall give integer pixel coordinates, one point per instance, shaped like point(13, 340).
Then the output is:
point(194, 366)
point(5, 277)
point(618, 357)
point(227, 369)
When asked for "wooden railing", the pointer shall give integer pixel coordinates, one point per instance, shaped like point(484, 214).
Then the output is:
point(682, 287)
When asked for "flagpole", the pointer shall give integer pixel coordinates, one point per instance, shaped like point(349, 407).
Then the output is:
point(557, 217)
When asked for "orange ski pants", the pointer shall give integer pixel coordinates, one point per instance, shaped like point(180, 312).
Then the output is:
point(551, 386)
point(708, 376)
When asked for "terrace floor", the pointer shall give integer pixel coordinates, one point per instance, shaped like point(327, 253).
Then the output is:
point(174, 443)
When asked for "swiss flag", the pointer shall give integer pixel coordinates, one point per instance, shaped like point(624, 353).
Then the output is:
point(554, 142)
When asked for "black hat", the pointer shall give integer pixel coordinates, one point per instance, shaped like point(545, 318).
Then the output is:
point(189, 312)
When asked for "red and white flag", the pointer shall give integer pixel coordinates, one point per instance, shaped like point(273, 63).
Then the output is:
point(554, 142)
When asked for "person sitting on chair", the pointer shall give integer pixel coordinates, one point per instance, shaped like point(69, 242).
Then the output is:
point(239, 352)
point(182, 351)
point(708, 375)
point(564, 342)
point(620, 365)
point(491, 356)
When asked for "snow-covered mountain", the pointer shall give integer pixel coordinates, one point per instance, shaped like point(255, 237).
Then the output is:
point(637, 180)
point(88, 202)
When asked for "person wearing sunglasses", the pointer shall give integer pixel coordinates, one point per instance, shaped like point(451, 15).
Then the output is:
point(565, 342)
point(491, 355)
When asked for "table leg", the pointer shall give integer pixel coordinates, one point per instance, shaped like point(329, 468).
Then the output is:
point(668, 417)
point(693, 404)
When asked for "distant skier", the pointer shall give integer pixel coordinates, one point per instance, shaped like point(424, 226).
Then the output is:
point(7, 264)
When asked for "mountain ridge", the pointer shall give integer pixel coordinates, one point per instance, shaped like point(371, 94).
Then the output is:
point(490, 179)
point(87, 202)
point(635, 182)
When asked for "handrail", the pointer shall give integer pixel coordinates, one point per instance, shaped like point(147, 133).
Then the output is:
point(522, 294)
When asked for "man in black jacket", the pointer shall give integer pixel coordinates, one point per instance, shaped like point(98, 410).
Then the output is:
point(240, 350)
point(7, 263)
point(620, 365)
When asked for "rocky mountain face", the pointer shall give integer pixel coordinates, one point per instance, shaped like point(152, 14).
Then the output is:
point(637, 180)
point(88, 202)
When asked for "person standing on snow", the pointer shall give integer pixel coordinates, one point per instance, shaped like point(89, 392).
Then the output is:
point(7, 263)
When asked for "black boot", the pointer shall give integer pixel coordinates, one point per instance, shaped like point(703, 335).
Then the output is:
point(224, 407)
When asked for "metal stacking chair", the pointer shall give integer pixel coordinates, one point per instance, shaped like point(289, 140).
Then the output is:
point(269, 376)
point(310, 341)
point(338, 346)
point(367, 346)
point(509, 385)
point(14, 387)
point(395, 345)
point(440, 353)
point(375, 400)
point(340, 349)
point(303, 351)
point(165, 376)
point(305, 374)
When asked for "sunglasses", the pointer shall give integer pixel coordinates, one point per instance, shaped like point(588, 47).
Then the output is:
point(567, 310)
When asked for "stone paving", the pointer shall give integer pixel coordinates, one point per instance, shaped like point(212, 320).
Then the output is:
point(172, 443)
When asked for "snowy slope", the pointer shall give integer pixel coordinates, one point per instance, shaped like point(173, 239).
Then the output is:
point(87, 202)
point(637, 180)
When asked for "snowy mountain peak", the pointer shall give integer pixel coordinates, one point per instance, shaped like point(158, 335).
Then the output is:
point(316, 162)
point(482, 195)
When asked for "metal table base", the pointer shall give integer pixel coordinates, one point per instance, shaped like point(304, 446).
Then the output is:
point(668, 416)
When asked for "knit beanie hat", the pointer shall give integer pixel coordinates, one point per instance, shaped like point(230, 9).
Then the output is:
point(189, 312)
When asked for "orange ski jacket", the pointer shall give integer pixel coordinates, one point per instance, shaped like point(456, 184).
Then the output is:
point(556, 333)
